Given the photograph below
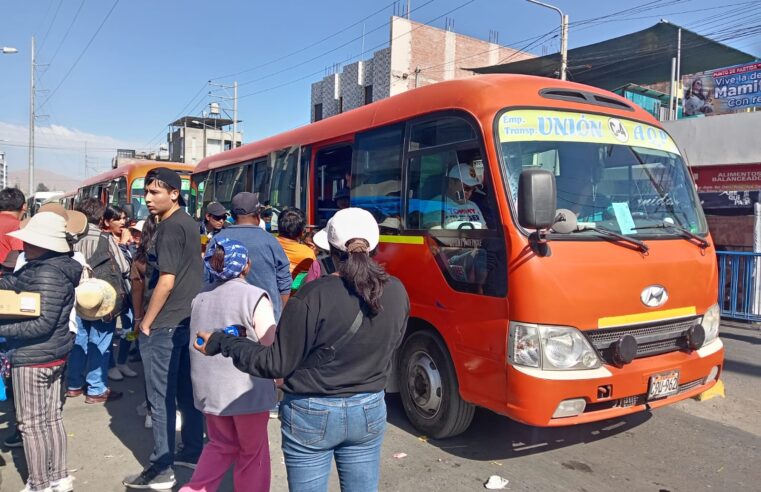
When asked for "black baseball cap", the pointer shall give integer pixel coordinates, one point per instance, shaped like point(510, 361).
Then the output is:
point(216, 209)
point(171, 178)
point(245, 203)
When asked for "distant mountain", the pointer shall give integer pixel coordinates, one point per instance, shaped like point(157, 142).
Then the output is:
point(54, 181)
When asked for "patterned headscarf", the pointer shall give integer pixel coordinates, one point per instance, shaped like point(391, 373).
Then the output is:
point(236, 257)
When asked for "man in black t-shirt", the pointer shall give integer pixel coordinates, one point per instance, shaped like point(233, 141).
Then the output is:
point(175, 272)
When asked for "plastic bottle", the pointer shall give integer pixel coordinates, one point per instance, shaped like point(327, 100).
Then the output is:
point(233, 330)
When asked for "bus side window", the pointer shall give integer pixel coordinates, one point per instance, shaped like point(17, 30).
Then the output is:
point(376, 182)
point(261, 179)
point(230, 182)
point(197, 193)
point(286, 187)
point(333, 184)
point(118, 192)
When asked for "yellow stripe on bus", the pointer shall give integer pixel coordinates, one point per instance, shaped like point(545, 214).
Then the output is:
point(402, 239)
point(632, 319)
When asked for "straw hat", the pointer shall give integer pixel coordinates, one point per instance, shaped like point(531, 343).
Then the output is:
point(96, 299)
point(45, 230)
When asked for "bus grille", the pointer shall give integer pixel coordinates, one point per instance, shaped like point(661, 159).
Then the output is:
point(652, 339)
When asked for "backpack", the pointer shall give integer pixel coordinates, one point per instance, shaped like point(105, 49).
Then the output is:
point(104, 267)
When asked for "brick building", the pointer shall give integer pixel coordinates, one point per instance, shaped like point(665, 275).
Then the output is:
point(417, 55)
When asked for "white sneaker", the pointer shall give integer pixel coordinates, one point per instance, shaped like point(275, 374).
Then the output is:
point(126, 371)
point(142, 409)
point(148, 421)
point(114, 374)
point(27, 489)
point(63, 485)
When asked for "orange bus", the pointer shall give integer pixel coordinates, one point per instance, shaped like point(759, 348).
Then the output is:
point(124, 185)
point(558, 263)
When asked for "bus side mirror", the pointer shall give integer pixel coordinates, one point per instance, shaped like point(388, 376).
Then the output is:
point(537, 199)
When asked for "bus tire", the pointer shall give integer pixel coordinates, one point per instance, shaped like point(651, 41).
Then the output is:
point(429, 388)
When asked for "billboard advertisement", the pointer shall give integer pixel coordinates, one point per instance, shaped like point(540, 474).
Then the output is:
point(722, 91)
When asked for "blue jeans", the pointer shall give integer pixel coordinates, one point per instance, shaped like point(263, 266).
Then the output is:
point(89, 358)
point(351, 429)
point(166, 363)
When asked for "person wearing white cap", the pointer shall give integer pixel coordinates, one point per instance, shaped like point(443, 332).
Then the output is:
point(40, 347)
point(458, 209)
point(334, 347)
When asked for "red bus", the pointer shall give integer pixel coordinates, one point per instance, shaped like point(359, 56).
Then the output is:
point(124, 185)
point(548, 233)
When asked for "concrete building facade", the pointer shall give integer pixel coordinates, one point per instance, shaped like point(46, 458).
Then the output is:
point(194, 137)
point(418, 55)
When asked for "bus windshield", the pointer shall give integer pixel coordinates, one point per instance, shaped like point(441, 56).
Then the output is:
point(616, 174)
point(137, 197)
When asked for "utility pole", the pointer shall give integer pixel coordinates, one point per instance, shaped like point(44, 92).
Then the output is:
point(235, 115)
point(678, 73)
point(563, 37)
point(234, 87)
point(31, 124)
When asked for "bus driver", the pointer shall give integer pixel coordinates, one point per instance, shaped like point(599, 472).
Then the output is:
point(459, 211)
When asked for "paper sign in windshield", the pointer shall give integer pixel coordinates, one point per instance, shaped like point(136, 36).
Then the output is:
point(623, 217)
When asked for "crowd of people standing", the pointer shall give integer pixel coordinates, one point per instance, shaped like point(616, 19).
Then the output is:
point(201, 304)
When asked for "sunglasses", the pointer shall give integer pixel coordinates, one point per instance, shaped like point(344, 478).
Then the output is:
point(468, 189)
point(219, 217)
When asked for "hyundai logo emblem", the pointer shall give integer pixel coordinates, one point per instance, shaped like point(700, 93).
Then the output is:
point(654, 296)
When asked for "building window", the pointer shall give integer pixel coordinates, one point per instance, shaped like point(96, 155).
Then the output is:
point(340, 104)
point(368, 94)
point(318, 112)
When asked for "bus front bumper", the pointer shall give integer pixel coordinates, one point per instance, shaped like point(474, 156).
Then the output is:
point(608, 392)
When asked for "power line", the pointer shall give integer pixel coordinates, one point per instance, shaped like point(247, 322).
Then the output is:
point(271, 88)
point(312, 45)
point(103, 22)
point(325, 53)
point(66, 35)
point(55, 16)
point(181, 113)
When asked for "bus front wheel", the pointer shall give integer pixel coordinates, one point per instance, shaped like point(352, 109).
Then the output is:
point(429, 389)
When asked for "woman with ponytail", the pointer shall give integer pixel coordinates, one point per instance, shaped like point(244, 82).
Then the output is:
point(333, 347)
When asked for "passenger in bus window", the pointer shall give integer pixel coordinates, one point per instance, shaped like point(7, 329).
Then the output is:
point(342, 198)
point(214, 221)
point(459, 211)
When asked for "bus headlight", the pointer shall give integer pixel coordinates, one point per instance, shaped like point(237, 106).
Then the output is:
point(525, 349)
point(550, 347)
point(711, 321)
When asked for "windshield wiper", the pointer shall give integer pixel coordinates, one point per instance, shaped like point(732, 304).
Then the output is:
point(644, 248)
point(685, 233)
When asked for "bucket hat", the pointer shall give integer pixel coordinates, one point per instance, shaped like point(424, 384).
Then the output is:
point(45, 230)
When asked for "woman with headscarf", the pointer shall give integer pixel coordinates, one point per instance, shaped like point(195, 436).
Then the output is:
point(334, 349)
point(235, 404)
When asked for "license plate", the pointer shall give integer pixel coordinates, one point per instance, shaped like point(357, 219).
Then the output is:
point(663, 385)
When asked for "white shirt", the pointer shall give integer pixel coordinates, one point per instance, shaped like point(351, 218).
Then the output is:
point(456, 213)
point(73, 326)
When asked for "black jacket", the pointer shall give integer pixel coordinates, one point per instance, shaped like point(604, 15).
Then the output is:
point(314, 318)
point(47, 338)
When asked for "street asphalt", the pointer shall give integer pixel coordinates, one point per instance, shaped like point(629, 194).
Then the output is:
point(689, 446)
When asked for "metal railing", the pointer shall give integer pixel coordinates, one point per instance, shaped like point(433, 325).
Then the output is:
point(739, 285)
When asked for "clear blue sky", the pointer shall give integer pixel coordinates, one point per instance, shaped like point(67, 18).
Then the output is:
point(152, 57)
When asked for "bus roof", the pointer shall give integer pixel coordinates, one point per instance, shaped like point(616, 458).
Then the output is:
point(143, 166)
point(481, 96)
